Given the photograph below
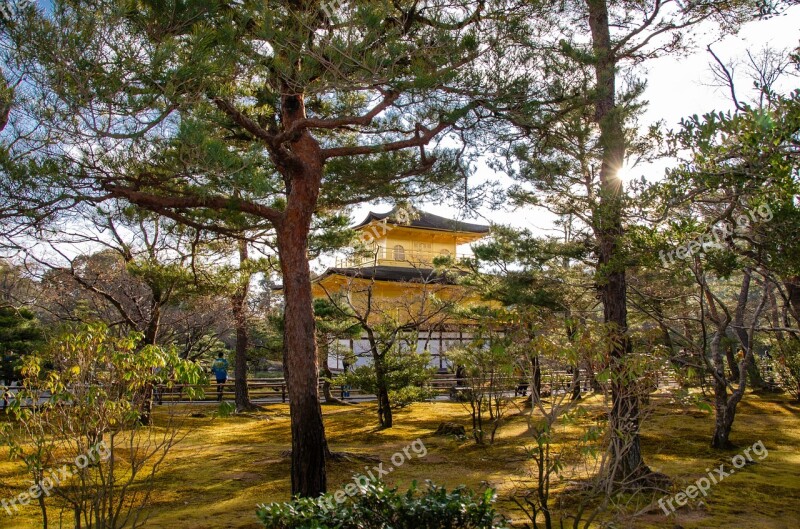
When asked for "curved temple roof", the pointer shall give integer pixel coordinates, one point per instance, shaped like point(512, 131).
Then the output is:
point(425, 220)
point(402, 274)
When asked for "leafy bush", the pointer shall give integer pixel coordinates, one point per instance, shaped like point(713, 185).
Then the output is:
point(226, 409)
point(408, 376)
point(410, 394)
point(489, 363)
point(374, 506)
point(91, 387)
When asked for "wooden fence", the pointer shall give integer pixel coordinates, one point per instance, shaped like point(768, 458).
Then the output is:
point(274, 389)
point(441, 385)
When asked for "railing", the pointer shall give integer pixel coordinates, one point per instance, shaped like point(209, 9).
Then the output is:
point(442, 385)
point(274, 389)
point(382, 255)
point(258, 389)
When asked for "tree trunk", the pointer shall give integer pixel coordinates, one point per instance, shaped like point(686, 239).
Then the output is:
point(754, 376)
point(6, 100)
point(151, 338)
point(723, 425)
point(300, 362)
point(576, 383)
point(725, 405)
point(325, 371)
point(154, 325)
point(627, 465)
point(43, 509)
point(384, 406)
point(756, 381)
point(239, 303)
point(595, 384)
point(792, 286)
point(733, 364)
point(723, 422)
point(576, 373)
point(327, 375)
point(536, 379)
point(724, 413)
point(300, 368)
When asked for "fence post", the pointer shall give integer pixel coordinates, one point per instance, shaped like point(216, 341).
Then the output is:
point(283, 393)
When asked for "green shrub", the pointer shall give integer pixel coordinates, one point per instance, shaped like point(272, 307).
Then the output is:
point(226, 409)
point(410, 394)
point(404, 369)
point(373, 506)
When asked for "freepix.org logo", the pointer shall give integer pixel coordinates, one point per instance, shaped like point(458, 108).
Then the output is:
point(56, 476)
point(717, 237)
point(714, 476)
point(333, 7)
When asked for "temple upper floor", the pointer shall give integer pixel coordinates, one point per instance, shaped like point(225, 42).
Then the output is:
point(411, 238)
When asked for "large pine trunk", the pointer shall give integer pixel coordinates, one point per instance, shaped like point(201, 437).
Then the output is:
point(300, 359)
point(627, 465)
point(300, 367)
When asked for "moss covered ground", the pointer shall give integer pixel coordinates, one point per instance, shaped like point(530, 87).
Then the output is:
point(225, 466)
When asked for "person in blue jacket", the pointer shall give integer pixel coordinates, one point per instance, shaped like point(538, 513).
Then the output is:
point(220, 370)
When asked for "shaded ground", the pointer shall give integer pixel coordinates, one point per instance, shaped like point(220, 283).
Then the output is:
point(226, 466)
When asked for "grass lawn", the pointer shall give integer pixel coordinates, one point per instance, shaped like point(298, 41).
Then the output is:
point(226, 466)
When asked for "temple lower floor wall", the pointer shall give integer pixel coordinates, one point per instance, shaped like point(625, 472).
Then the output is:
point(437, 343)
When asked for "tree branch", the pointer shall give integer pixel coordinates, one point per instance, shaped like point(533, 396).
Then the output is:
point(300, 125)
point(151, 201)
point(417, 141)
point(725, 72)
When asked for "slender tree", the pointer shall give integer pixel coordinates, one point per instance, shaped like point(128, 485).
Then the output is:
point(587, 125)
point(240, 312)
point(392, 325)
point(736, 196)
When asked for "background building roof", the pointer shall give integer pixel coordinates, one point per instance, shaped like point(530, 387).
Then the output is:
point(392, 273)
point(425, 220)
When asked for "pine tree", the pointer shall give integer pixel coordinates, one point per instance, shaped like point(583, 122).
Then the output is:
point(265, 113)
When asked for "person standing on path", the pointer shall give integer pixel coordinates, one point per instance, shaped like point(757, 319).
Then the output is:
point(220, 370)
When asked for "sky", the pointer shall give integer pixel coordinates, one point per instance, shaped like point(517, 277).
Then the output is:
point(677, 87)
